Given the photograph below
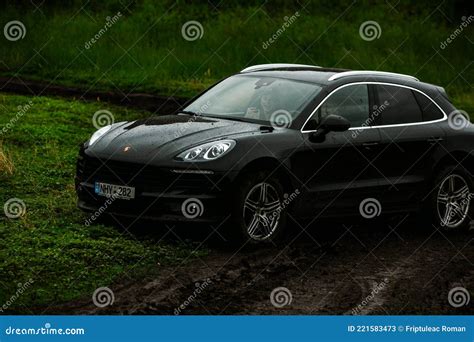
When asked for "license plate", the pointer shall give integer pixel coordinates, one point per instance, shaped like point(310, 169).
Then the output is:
point(112, 190)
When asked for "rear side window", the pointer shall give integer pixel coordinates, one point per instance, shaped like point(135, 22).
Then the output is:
point(351, 102)
point(428, 108)
point(399, 105)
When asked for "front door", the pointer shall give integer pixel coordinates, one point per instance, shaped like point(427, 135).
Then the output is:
point(337, 174)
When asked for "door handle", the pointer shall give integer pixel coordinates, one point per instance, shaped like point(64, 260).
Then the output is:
point(434, 140)
point(368, 145)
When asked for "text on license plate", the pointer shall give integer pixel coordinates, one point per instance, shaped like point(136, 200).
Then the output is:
point(112, 190)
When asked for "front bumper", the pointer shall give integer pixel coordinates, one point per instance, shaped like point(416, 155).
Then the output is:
point(160, 194)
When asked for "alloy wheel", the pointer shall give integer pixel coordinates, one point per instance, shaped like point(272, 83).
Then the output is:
point(453, 201)
point(262, 210)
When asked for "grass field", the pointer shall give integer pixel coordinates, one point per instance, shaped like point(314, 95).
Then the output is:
point(50, 244)
point(143, 48)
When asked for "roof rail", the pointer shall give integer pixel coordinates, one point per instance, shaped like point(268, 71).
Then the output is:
point(368, 73)
point(261, 67)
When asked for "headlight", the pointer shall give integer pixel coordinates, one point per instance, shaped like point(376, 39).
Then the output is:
point(209, 151)
point(100, 132)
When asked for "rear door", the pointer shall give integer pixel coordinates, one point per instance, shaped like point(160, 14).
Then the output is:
point(409, 131)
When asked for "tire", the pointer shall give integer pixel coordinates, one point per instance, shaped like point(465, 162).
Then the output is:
point(258, 219)
point(451, 207)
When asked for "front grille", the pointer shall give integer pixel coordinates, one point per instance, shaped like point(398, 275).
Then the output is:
point(143, 177)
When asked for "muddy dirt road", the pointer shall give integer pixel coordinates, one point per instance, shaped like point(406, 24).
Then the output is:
point(376, 269)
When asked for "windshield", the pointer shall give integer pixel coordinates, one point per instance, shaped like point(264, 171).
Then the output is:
point(271, 100)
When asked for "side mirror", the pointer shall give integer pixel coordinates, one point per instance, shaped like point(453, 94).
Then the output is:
point(335, 123)
point(331, 123)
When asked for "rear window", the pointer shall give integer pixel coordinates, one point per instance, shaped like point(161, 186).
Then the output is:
point(400, 105)
point(429, 110)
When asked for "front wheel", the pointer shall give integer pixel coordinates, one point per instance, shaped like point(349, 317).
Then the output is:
point(258, 213)
point(452, 199)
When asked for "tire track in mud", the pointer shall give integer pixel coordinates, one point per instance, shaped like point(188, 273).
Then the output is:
point(366, 271)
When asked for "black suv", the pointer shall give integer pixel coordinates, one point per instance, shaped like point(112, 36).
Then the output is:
point(281, 141)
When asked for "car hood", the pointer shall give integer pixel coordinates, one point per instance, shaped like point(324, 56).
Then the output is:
point(165, 136)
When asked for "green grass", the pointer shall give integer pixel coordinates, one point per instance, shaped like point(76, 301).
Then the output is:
point(50, 244)
point(159, 60)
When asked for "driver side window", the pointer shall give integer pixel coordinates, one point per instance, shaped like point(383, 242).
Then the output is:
point(351, 102)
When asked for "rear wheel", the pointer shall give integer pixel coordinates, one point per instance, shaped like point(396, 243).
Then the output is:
point(451, 203)
point(258, 213)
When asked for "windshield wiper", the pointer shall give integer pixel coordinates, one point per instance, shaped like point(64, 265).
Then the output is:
point(233, 118)
point(188, 112)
